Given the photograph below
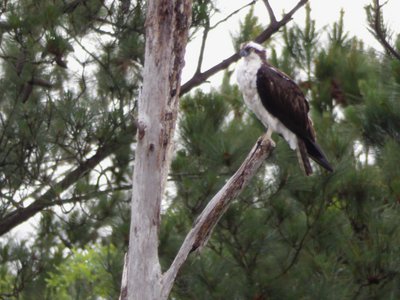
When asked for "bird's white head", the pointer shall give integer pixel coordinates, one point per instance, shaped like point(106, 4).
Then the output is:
point(251, 49)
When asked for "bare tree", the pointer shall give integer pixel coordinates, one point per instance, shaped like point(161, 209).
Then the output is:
point(167, 27)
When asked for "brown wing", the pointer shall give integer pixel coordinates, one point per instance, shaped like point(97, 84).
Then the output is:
point(302, 156)
point(284, 99)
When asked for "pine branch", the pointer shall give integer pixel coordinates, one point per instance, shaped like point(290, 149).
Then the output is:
point(205, 223)
point(272, 28)
point(50, 198)
point(376, 24)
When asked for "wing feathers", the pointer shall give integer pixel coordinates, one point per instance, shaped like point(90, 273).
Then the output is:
point(283, 98)
point(316, 153)
point(304, 161)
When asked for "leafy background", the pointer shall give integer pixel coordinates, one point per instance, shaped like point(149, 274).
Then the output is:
point(67, 135)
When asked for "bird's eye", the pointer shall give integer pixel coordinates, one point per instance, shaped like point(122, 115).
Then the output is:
point(245, 51)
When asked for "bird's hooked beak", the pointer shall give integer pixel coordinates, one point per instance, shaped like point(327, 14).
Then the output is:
point(243, 52)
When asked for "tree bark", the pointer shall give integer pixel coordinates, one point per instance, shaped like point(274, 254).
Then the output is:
point(167, 25)
point(201, 231)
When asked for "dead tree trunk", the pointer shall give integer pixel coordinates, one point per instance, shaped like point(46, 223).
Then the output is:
point(167, 25)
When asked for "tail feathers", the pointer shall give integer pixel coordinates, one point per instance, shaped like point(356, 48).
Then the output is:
point(303, 157)
point(316, 153)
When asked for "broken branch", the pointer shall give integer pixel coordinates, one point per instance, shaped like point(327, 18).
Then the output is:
point(205, 223)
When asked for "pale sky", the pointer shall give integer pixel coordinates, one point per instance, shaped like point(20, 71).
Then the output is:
point(219, 45)
point(325, 12)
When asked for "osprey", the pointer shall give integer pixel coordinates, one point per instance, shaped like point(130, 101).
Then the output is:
point(279, 104)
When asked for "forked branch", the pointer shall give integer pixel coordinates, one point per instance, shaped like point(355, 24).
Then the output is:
point(205, 223)
point(208, 27)
point(270, 11)
point(273, 27)
point(201, 231)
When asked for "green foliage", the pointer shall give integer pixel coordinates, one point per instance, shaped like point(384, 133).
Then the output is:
point(201, 13)
point(329, 236)
point(300, 43)
point(85, 274)
point(248, 30)
point(338, 35)
point(212, 146)
point(381, 118)
point(70, 77)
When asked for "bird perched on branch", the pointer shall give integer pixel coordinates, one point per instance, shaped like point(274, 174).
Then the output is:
point(279, 104)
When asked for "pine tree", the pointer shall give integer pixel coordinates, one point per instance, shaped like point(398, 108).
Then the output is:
point(69, 73)
point(330, 236)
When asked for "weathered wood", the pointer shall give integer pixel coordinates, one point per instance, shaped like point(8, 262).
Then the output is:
point(202, 229)
point(167, 26)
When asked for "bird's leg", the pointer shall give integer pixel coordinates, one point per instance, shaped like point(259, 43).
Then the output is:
point(269, 132)
point(268, 136)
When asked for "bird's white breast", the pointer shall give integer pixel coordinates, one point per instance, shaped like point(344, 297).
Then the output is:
point(247, 81)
